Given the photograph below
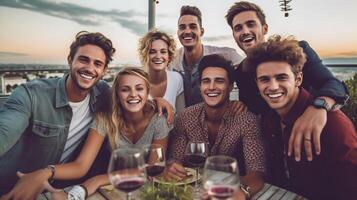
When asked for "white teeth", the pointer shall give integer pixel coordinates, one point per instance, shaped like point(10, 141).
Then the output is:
point(212, 94)
point(86, 76)
point(248, 38)
point(277, 95)
point(187, 38)
point(133, 101)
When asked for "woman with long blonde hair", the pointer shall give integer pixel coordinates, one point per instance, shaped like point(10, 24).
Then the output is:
point(130, 121)
point(156, 51)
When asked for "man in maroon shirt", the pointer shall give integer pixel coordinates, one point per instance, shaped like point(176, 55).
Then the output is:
point(332, 174)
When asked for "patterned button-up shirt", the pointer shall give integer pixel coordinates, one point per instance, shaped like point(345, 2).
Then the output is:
point(238, 136)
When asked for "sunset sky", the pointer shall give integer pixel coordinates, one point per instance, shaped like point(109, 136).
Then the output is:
point(39, 31)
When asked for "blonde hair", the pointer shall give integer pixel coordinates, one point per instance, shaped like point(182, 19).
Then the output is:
point(113, 120)
point(146, 41)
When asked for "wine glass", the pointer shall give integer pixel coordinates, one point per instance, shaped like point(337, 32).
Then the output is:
point(220, 177)
point(154, 156)
point(196, 154)
point(127, 170)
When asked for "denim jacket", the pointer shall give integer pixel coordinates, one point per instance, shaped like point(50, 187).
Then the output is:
point(34, 125)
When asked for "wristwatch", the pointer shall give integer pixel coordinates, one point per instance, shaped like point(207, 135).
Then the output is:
point(246, 190)
point(321, 103)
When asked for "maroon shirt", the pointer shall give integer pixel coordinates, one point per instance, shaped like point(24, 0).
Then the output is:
point(332, 174)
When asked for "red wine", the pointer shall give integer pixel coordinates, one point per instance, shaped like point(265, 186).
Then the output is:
point(129, 185)
point(154, 170)
point(221, 191)
point(195, 159)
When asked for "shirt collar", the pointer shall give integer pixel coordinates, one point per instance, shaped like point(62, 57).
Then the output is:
point(62, 98)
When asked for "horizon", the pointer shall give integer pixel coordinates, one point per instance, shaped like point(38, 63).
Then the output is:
point(31, 34)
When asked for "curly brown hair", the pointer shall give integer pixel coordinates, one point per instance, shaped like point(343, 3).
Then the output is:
point(277, 49)
point(243, 6)
point(98, 39)
point(146, 41)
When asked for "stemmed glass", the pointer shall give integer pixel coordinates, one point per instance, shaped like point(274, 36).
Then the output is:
point(154, 156)
point(220, 177)
point(196, 154)
point(127, 170)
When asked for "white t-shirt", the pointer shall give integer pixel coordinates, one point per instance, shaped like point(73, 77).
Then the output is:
point(174, 87)
point(80, 123)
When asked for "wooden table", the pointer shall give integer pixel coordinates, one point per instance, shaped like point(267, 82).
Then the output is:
point(270, 192)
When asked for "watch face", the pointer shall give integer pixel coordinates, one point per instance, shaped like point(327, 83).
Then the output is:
point(319, 102)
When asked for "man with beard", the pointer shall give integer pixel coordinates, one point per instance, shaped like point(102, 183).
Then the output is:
point(249, 27)
point(44, 122)
point(235, 134)
point(189, 32)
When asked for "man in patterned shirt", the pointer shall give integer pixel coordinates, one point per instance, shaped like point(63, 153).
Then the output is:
point(213, 121)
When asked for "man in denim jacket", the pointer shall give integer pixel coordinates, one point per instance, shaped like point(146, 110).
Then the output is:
point(44, 121)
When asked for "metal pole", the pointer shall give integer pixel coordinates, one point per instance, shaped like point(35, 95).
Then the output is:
point(152, 7)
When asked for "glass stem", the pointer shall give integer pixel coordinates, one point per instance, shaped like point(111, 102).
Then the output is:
point(128, 196)
point(196, 181)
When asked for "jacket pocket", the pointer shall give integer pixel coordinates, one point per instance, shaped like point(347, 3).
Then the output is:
point(46, 130)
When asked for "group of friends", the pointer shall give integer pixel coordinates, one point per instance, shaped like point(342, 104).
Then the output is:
point(286, 129)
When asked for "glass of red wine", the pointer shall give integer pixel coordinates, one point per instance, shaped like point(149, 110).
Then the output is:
point(196, 154)
point(127, 170)
point(154, 156)
point(220, 177)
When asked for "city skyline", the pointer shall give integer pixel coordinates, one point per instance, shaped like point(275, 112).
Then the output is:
point(39, 31)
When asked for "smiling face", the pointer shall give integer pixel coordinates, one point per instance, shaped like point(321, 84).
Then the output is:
point(189, 31)
point(278, 85)
point(215, 87)
point(132, 93)
point(158, 55)
point(87, 67)
point(248, 30)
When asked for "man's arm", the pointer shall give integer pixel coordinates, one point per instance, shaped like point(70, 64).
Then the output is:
point(14, 118)
point(310, 124)
point(31, 185)
point(177, 144)
point(254, 154)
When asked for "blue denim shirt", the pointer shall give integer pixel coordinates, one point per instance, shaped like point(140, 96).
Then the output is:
point(34, 125)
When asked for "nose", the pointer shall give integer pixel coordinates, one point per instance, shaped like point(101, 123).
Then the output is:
point(245, 29)
point(133, 93)
point(211, 85)
point(274, 85)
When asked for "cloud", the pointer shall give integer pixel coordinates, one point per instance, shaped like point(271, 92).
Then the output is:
point(82, 15)
point(217, 38)
point(12, 54)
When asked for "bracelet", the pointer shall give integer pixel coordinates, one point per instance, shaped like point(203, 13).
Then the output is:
point(78, 192)
point(246, 190)
point(85, 190)
point(53, 171)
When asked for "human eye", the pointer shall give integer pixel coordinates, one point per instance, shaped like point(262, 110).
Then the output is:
point(182, 27)
point(193, 26)
point(99, 64)
point(152, 51)
point(237, 28)
point(263, 79)
point(164, 51)
point(83, 59)
point(251, 24)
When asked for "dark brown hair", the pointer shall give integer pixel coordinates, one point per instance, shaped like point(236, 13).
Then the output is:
point(277, 49)
point(192, 10)
point(216, 60)
point(98, 39)
point(243, 6)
